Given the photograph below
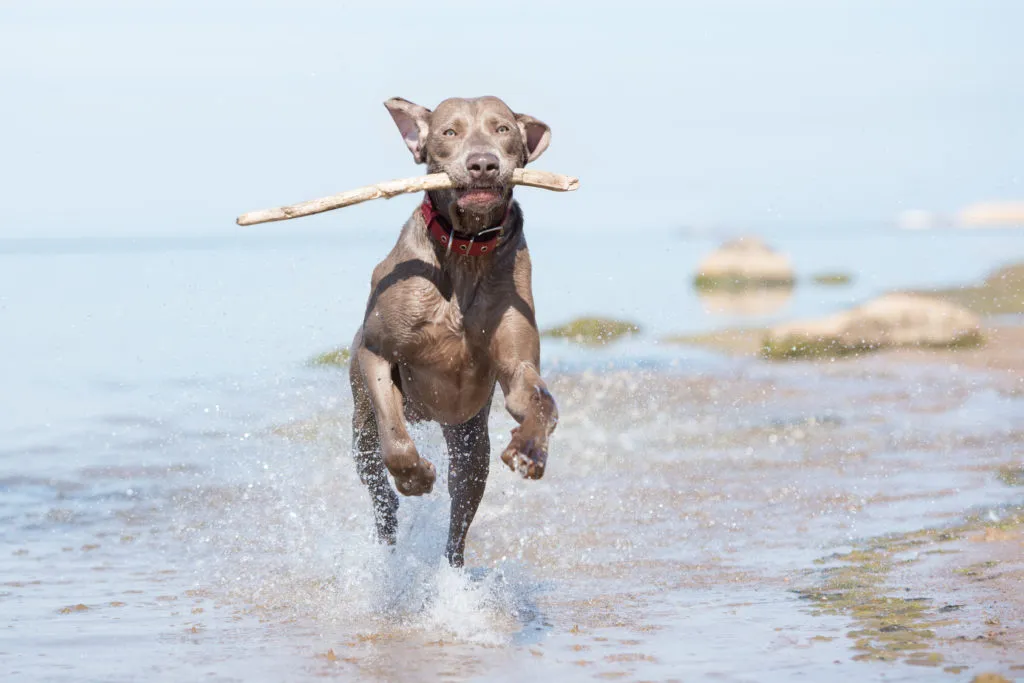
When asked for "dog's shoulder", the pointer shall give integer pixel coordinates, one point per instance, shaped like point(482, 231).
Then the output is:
point(410, 257)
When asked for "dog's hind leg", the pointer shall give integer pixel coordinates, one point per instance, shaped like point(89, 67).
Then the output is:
point(469, 453)
point(369, 462)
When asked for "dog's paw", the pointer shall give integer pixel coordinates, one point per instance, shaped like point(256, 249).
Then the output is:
point(413, 475)
point(416, 480)
point(526, 455)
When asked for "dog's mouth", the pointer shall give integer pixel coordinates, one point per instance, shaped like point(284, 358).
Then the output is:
point(477, 198)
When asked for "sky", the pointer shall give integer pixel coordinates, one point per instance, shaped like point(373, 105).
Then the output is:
point(142, 118)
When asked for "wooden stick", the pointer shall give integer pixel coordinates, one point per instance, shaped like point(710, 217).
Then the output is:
point(392, 188)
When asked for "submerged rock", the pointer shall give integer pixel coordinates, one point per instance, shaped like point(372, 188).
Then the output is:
point(747, 262)
point(1011, 476)
point(835, 279)
point(335, 358)
point(71, 609)
point(893, 320)
point(592, 330)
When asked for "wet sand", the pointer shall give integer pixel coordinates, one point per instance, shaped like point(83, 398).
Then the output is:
point(1003, 352)
point(744, 521)
point(999, 352)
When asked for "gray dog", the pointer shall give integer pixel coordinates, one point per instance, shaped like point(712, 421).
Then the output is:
point(450, 313)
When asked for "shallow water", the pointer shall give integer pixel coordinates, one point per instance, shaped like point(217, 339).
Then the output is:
point(177, 499)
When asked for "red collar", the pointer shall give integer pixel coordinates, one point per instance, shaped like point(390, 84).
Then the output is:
point(481, 243)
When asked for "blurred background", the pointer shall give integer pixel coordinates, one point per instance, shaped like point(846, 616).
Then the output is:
point(857, 148)
point(167, 118)
point(823, 127)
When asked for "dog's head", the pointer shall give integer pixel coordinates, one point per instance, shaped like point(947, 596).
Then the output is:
point(478, 143)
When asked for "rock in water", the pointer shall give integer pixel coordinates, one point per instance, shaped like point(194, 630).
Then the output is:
point(893, 320)
point(993, 215)
point(744, 263)
point(592, 331)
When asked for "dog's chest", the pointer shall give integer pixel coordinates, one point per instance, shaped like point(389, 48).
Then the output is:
point(445, 318)
point(447, 372)
point(462, 324)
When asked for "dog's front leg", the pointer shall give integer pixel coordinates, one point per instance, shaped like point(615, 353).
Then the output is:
point(369, 463)
point(413, 475)
point(517, 357)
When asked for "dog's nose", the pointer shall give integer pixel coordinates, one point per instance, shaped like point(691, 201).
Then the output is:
point(482, 166)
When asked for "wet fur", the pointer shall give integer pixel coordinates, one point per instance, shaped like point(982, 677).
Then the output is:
point(441, 329)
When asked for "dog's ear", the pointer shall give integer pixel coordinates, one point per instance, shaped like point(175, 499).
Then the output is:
point(413, 122)
point(536, 135)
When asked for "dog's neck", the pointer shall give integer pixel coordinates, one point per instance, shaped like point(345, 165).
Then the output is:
point(462, 274)
point(454, 244)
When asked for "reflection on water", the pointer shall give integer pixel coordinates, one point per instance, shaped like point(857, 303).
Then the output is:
point(750, 302)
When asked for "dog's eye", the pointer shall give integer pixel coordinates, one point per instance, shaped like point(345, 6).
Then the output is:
point(450, 132)
point(503, 129)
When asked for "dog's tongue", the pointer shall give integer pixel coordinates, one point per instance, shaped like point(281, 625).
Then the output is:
point(479, 197)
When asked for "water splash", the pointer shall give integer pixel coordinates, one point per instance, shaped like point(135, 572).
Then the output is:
point(296, 542)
